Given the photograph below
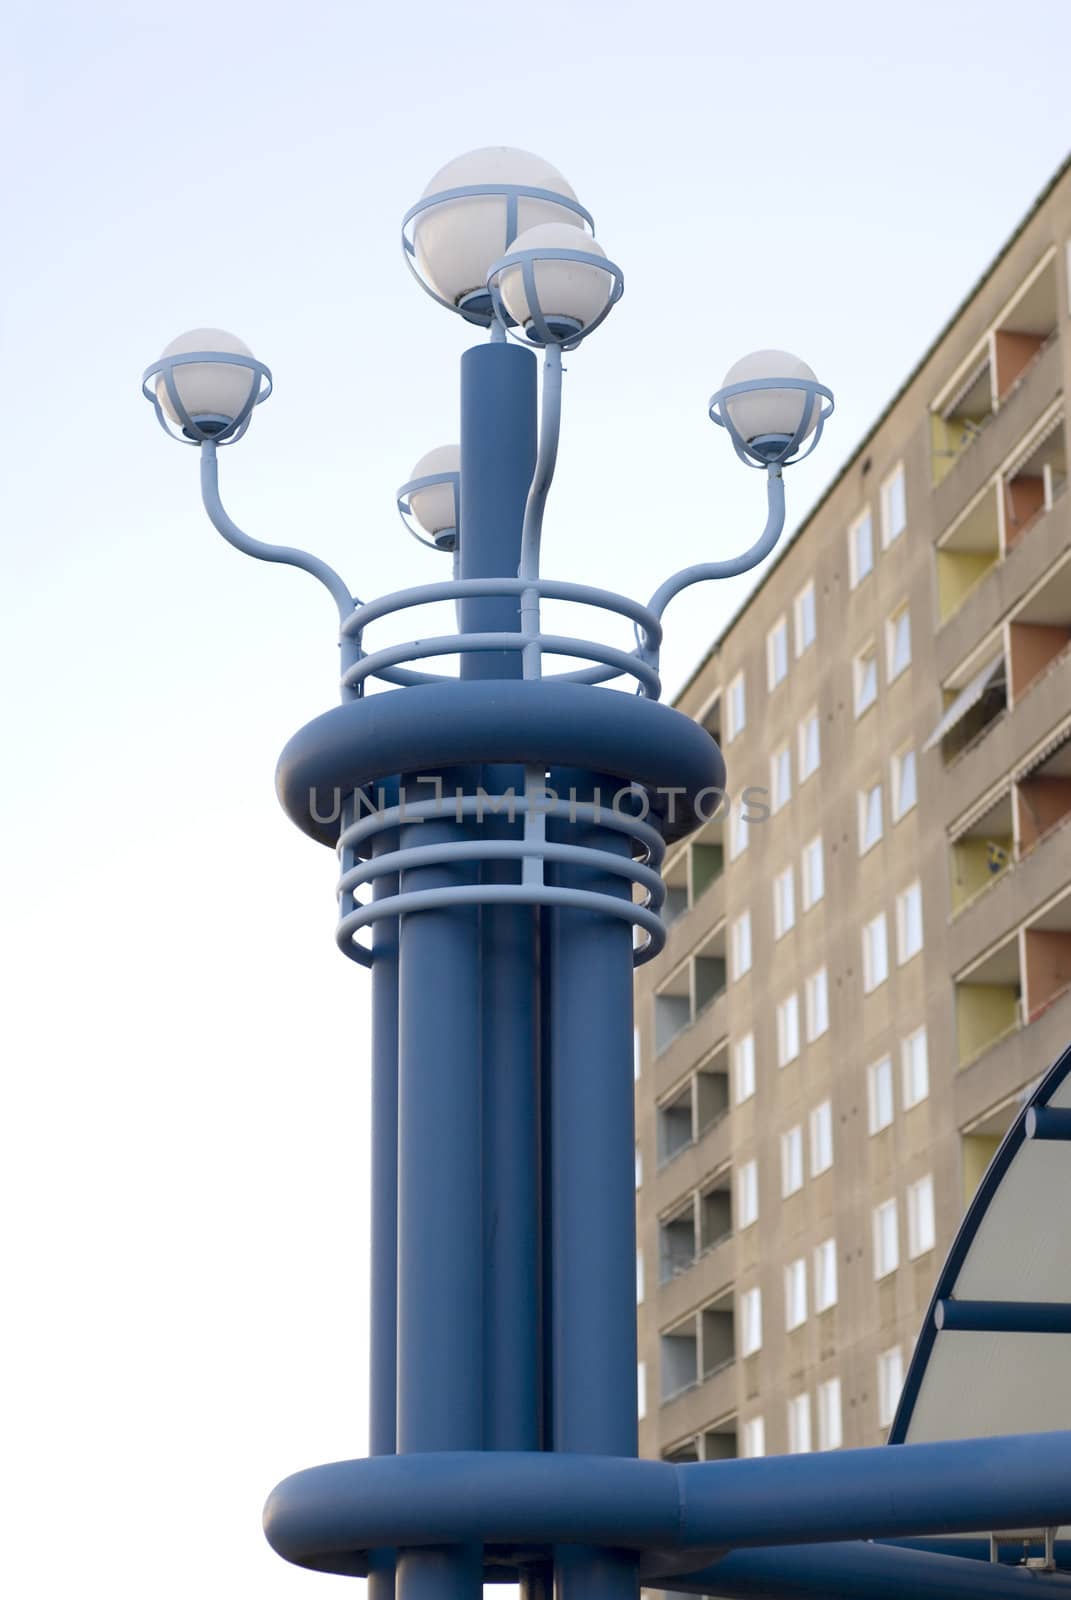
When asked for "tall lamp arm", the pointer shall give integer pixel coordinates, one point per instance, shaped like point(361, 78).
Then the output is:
point(704, 570)
point(285, 554)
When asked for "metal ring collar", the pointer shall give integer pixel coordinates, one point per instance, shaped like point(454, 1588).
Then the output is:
point(538, 330)
point(782, 446)
point(225, 430)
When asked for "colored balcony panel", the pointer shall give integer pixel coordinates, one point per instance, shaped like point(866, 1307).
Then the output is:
point(987, 1001)
point(1035, 481)
point(981, 854)
point(967, 552)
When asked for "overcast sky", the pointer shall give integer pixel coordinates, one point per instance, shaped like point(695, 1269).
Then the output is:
point(185, 1116)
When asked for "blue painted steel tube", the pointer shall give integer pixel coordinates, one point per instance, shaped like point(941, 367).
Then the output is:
point(498, 454)
point(590, 1187)
point(383, 1396)
point(440, 1290)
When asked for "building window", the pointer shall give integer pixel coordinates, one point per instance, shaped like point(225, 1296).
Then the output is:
point(830, 1427)
point(641, 1390)
point(788, 1030)
point(909, 922)
point(811, 873)
point(879, 1094)
point(806, 626)
point(780, 778)
point(825, 1275)
point(799, 1424)
point(810, 752)
point(744, 1063)
point(865, 679)
point(816, 991)
point(860, 548)
point(777, 653)
point(875, 953)
point(747, 1194)
point(897, 643)
point(893, 507)
point(736, 709)
point(750, 1321)
point(737, 833)
point(921, 1229)
point(639, 1167)
point(886, 1239)
point(821, 1138)
point(754, 1437)
point(741, 945)
point(639, 1277)
point(784, 903)
point(795, 1294)
point(890, 1383)
point(870, 818)
point(791, 1161)
point(905, 791)
point(915, 1065)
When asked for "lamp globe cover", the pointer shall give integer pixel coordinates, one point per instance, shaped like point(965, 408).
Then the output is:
point(458, 242)
point(435, 508)
point(577, 290)
point(209, 388)
point(773, 410)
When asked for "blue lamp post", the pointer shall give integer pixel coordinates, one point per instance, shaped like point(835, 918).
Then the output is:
point(499, 834)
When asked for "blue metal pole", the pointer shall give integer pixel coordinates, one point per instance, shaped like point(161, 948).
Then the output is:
point(590, 1188)
point(498, 455)
point(440, 1317)
point(383, 1396)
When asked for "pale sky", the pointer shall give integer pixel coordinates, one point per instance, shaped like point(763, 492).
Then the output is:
point(185, 1116)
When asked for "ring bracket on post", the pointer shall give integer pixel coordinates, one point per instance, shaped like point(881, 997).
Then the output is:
point(204, 427)
point(774, 449)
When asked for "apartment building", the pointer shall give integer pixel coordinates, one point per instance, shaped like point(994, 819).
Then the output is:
point(858, 986)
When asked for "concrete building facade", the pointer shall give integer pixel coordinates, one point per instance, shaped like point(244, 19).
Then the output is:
point(870, 953)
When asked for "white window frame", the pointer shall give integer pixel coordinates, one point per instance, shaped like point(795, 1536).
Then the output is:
point(885, 1226)
point(875, 972)
point(799, 1424)
point(809, 754)
point(792, 1160)
point(740, 943)
point(795, 1274)
point(781, 777)
point(825, 1276)
point(639, 1168)
point(893, 505)
point(857, 574)
point(641, 1389)
point(808, 855)
point(735, 707)
point(784, 902)
point(830, 1415)
point(890, 1384)
point(820, 1128)
point(871, 817)
point(639, 1277)
point(788, 1029)
point(816, 1004)
point(754, 1438)
point(900, 617)
point(777, 653)
point(880, 1100)
point(751, 1321)
point(914, 1068)
point(897, 768)
point(802, 614)
point(909, 929)
point(744, 1076)
point(865, 658)
point(738, 832)
point(921, 1218)
point(747, 1194)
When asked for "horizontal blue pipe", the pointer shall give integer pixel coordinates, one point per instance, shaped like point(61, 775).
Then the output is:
point(1048, 1122)
point(860, 1571)
point(326, 1516)
point(1002, 1316)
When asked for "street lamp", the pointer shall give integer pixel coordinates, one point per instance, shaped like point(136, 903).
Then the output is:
point(499, 834)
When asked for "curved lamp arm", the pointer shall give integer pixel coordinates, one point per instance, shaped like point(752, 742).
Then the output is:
point(532, 533)
point(775, 522)
point(289, 557)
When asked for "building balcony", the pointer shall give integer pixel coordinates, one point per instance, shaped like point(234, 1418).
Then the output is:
point(1020, 1057)
point(1016, 983)
point(707, 1151)
point(707, 1279)
point(686, 1117)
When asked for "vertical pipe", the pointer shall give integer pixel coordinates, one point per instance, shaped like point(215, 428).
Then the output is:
point(440, 1314)
point(382, 1421)
point(591, 1188)
point(498, 455)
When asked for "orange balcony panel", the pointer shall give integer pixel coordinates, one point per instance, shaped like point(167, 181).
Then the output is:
point(1014, 352)
point(1042, 805)
point(1048, 967)
point(1033, 645)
